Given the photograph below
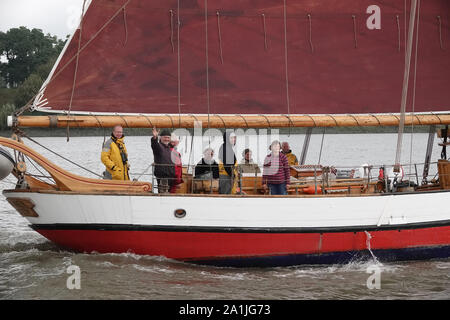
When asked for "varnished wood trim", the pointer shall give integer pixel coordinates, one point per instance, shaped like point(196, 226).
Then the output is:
point(24, 206)
point(232, 121)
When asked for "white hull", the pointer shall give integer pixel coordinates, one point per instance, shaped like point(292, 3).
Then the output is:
point(244, 212)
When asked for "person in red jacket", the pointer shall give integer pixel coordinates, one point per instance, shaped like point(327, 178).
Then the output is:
point(276, 173)
point(176, 159)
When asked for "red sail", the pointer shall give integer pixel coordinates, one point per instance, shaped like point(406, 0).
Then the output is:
point(263, 57)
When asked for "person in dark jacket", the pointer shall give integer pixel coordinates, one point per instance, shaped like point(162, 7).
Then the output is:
point(228, 164)
point(164, 165)
point(207, 166)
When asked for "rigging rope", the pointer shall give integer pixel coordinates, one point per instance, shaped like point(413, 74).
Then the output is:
point(398, 30)
point(321, 145)
point(220, 37)
point(310, 33)
point(354, 30)
point(207, 60)
point(286, 59)
point(265, 31)
point(405, 83)
point(171, 30)
point(125, 25)
point(414, 86)
point(440, 32)
point(57, 154)
point(76, 67)
point(27, 105)
point(101, 125)
point(178, 63)
point(42, 174)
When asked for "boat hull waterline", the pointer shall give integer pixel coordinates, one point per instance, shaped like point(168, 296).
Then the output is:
point(235, 232)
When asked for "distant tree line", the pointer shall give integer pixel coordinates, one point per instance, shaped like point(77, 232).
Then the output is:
point(26, 58)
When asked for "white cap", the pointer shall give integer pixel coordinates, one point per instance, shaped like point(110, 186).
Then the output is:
point(174, 137)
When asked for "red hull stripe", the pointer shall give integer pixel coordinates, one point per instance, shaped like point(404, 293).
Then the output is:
point(186, 245)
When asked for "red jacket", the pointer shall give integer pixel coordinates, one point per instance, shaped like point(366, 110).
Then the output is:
point(276, 169)
point(178, 167)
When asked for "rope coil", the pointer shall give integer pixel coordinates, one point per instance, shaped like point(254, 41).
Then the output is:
point(354, 118)
point(171, 120)
point(376, 118)
point(148, 120)
point(125, 121)
point(314, 121)
point(224, 125)
point(240, 115)
point(335, 122)
point(267, 119)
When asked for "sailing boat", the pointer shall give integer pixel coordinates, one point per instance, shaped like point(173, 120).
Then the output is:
point(245, 64)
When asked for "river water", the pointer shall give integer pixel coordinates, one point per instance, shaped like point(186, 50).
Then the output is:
point(31, 267)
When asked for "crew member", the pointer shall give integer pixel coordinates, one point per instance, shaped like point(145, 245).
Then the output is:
point(115, 157)
point(286, 150)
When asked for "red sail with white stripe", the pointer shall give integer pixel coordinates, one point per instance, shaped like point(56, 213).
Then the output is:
point(251, 57)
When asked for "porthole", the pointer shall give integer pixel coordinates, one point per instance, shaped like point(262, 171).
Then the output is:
point(180, 213)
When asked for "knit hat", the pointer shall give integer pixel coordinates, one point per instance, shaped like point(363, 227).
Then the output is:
point(165, 132)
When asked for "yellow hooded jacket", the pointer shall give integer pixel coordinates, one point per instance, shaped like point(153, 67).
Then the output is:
point(292, 159)
point(112, 159)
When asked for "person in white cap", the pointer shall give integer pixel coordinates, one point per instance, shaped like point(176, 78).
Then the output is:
point(176, 159)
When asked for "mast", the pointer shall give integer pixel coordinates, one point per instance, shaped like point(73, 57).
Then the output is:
point(405, 83)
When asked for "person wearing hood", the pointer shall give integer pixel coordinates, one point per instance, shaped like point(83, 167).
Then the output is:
point(228, 164)
point(115, 157)
point(163, 160)
point(286, 150)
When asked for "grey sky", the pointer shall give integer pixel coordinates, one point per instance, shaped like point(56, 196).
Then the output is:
point(57, 17)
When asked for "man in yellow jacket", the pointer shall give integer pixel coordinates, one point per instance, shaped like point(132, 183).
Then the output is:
point(292, 158)
point(115, 157)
